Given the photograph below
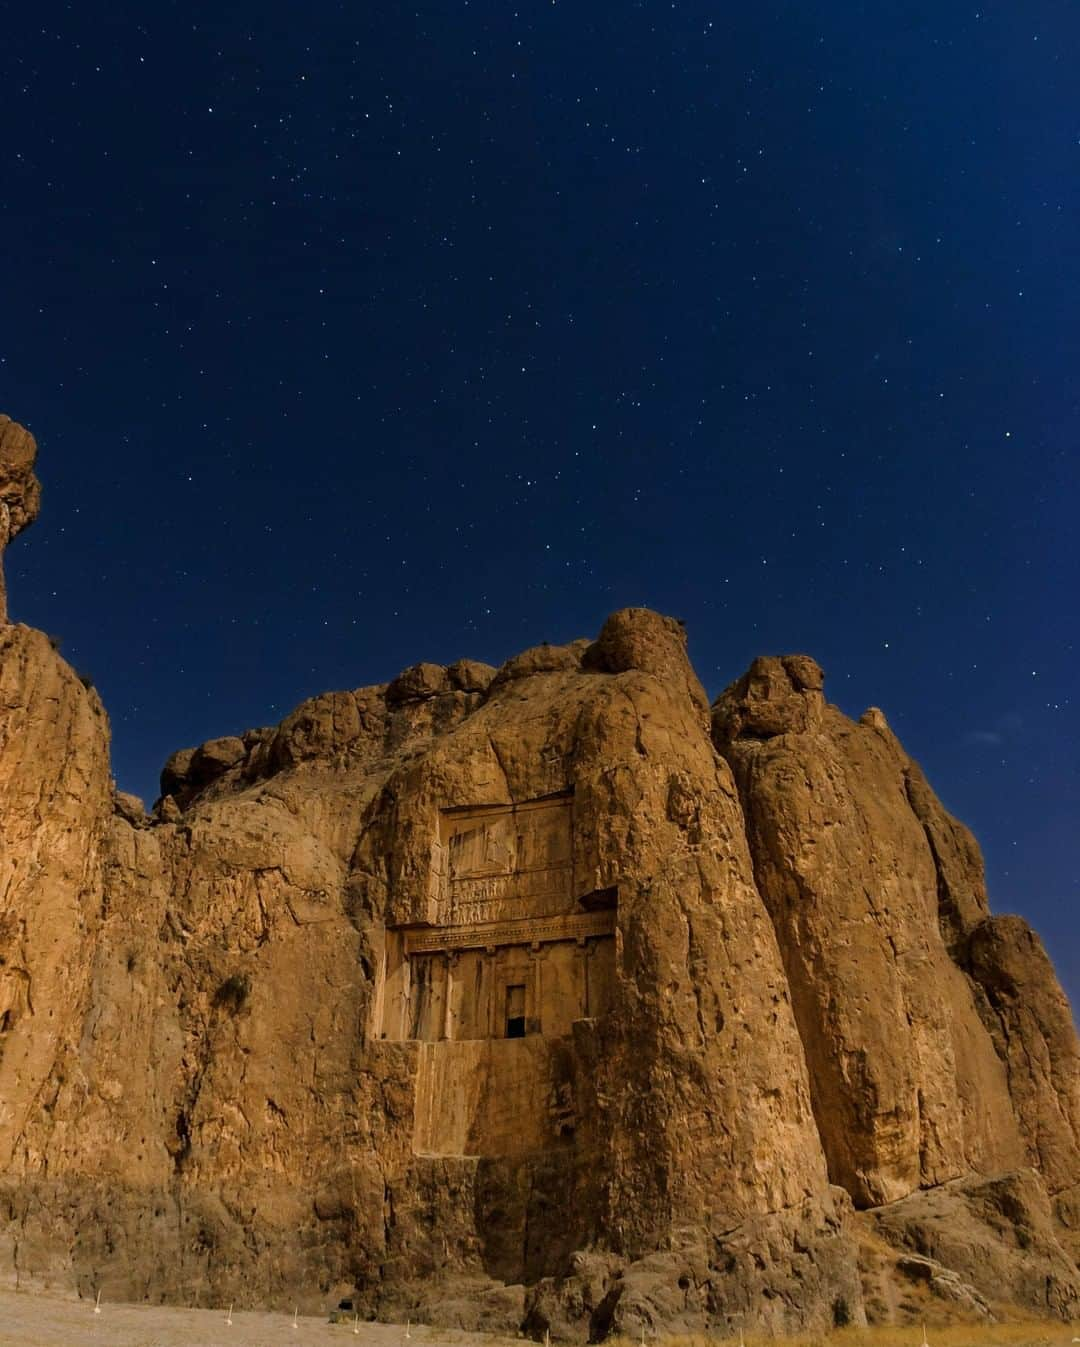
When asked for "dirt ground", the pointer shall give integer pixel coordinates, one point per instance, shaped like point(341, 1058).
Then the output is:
point(29, 1319)
point(32, 1319)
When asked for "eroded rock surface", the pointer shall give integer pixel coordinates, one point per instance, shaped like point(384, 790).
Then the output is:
point(20, 490)
point(868, 900)
point(996, 1234)
point(519, 998)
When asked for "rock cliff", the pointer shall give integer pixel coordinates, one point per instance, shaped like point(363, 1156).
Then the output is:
point(20, 490)
point(539, 997)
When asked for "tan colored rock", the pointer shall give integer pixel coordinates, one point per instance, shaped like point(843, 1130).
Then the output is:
point(216, 756)
point(996, 1234)
point(130, 807)
point(177, 771)
point(944, 1284)
point(540, 659)
point(20, 490)
point(166, 810)
point(1031, 1024)
point(470, 675)
point(636, 638)
point(506, 1000)
point(56, 799)
point(908, 1088)
point(268, 1067)
point(317, 730)
point(962, 901)
point(770, 699)
point(417, 684)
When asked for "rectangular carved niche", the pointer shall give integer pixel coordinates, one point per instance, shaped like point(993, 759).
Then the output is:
point(496, 1071)
point(453, 983)
point(504, 862)
point(492, 988)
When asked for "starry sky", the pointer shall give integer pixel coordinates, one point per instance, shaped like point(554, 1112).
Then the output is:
point(354, 335)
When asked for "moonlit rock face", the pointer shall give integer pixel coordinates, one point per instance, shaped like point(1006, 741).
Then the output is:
point(20, 490)
point(525, 1000)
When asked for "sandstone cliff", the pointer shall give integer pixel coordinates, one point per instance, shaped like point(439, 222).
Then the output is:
point(536, 996)
point(20, 490)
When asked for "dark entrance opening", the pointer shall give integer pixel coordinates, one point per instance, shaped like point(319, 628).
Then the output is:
point(515, 1011)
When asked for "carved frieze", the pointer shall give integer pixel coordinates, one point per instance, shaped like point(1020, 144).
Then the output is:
point(498, 863)
point(487, 935)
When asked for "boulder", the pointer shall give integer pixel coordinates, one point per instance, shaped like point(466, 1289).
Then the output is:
point(637, 638)
point(417, 684)
point(176, 774)
point(470, 675)
point(214, 757)
point(131, 808)
point(540, 659)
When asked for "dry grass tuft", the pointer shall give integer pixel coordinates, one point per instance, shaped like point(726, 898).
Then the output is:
point(1017, 1333)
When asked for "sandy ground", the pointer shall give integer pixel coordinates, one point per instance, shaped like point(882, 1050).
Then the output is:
point(28, 1319)
point(31, 1319)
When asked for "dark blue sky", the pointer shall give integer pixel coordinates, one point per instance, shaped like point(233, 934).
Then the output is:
point(354, 336)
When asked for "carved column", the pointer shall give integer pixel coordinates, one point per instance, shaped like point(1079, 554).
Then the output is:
point(489, 983)
point(406, 997)
point(536, 954)
point(448, 1012)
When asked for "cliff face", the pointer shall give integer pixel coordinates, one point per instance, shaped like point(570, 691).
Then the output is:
point(878, 899)
point(533, 996)
point(862, 904)
point(20, 490)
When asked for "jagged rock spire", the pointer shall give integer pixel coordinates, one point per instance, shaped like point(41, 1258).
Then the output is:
point(20, 490)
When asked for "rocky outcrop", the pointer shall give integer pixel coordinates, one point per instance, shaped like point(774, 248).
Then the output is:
point(531, 997)
point(55, 793)
point(1031, 1025)
point(938, 1041)
point(224, 1110)
point(995, 1234)
point(20, 490)
point(868, 902)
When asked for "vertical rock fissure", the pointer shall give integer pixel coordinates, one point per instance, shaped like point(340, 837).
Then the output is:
point(950, 921)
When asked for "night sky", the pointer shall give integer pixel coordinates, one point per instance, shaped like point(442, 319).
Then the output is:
point(354, 335)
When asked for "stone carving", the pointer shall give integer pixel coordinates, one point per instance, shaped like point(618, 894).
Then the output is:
point(492, 993)
point(503, 862)
point(541, 930)
point(457, 995)
point(452, 982)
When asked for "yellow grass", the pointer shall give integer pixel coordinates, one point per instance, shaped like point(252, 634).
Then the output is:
point(40, 1320)
point(1018, 1332)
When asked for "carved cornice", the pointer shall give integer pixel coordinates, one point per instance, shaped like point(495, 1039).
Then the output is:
point(537, 931)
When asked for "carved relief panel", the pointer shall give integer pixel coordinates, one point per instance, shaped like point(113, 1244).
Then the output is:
point(511, 991)
point(503, 862)
point(492, 986)
point(512, 954)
